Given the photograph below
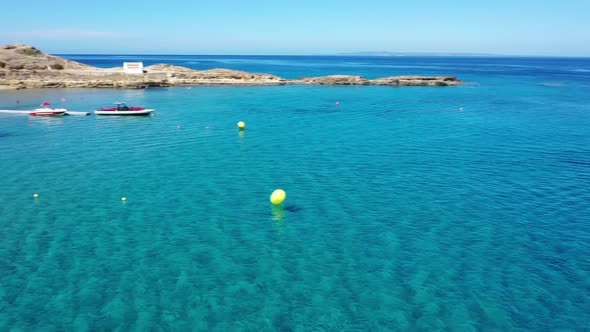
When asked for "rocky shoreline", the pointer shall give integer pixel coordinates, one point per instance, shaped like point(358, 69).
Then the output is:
point(23, 66)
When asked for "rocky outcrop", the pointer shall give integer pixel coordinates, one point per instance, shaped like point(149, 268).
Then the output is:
point(390, 81)
point(333, 80)
point(24, 57)
point(177, 75)
point(417, 81)
point(23, 66)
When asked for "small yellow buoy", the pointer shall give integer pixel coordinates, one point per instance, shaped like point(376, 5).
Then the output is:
point(278, 196)
point(35, 195)
point(241, 125)
point(123, 199)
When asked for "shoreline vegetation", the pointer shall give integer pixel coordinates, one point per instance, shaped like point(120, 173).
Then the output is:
point(23, 66)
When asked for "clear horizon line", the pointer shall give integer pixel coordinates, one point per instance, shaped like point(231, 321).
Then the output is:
point(356, 54)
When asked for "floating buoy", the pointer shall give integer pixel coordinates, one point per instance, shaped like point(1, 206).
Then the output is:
point(123, 199)
point(178, 127)
point(63, 100)
point(278, 196)
point(241, 125)
point(35, 195)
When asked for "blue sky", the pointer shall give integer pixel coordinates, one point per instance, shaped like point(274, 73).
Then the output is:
point(523, 27)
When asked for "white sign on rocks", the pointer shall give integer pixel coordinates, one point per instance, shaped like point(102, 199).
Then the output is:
point(133, 67)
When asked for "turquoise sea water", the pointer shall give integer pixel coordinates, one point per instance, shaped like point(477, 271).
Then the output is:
point(457, 208)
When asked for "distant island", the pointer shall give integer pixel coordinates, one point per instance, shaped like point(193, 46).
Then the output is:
point(425, 54)
point(23, 66)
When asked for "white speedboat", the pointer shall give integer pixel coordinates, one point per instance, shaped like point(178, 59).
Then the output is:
point(46, 111)
point(122, 109)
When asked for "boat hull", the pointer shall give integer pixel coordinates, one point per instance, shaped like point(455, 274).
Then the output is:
point(138, 112)
point(48, 112)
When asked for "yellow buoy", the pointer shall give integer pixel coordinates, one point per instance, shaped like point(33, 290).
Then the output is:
point(35, 195)
point(278, 196)
point(123, 199)
point(241, 125)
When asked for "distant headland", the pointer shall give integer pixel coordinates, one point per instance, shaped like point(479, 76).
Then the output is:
point(420, 54)
point(23, 66)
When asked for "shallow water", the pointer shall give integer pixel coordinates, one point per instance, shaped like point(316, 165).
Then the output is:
point(459, 208)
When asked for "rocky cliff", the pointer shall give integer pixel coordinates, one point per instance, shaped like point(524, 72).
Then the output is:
point(23, 66)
